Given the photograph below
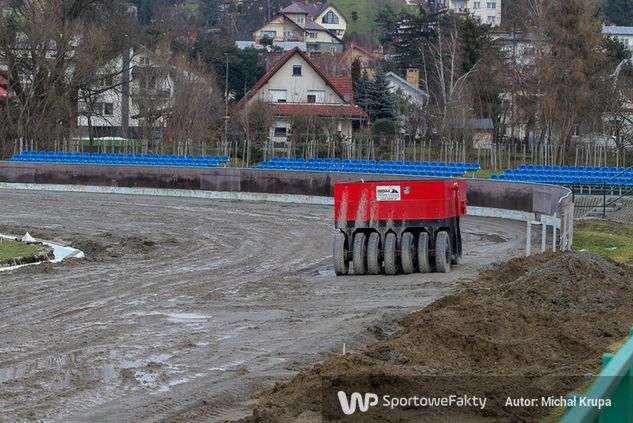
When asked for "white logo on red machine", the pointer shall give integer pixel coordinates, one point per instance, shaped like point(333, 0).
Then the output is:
point(388, 193)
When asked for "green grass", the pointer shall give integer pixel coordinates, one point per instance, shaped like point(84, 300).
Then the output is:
point(483, 173)
point(10, 249)
point(366, 10)
point(557, 414)
point(605, 238)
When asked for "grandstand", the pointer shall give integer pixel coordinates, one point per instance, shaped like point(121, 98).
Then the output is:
point(119, 159)
point(569, 175)
point(389, 167)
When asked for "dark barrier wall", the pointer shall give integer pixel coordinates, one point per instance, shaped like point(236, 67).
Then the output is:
point(541, 199)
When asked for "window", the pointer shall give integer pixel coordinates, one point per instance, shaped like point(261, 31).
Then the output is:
point(316, 96)
point(332, 49)
point(492, 19)
point(301, 20)
point(108, 109)
point(313, 34)
point(296, 70)
point(491, 5)
point(281, 128)
point(477, 5)
point(330, 18)
point(269, 34)
point(277, 96)
point(147, 82)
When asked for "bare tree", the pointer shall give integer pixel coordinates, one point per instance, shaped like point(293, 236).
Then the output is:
point(50, 50)
point(255, 121)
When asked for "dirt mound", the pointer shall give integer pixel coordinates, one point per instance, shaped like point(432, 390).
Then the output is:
point(108, 246)
point(531, 327)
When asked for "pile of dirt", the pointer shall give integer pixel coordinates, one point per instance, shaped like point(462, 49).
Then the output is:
point(111, 246)
point(531, 327)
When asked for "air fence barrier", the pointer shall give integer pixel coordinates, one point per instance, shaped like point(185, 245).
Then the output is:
point(547, 206)
point(614, 383)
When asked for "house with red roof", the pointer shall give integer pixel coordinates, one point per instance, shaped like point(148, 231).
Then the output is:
point(296, 87)
point(320, 25)
point(368, 60)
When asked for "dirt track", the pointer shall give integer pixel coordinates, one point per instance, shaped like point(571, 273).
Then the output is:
point(183, 301)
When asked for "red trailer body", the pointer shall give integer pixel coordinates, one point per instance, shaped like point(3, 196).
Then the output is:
point(396, 225)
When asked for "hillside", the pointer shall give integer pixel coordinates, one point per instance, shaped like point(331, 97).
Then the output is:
point(366, 10)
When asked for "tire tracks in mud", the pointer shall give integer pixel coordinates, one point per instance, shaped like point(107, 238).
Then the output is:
point(186, 307)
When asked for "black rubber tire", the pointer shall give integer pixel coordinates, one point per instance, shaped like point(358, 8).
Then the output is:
point(359, 254)
point(424, 263)
point(341, 263)
point(389, 254)
point(408, 255)
point(442, 252)
point(374, 266)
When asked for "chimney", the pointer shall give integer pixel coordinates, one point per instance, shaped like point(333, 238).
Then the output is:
point(413, 76)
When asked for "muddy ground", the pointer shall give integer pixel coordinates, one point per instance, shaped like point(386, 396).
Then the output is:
point(530, 328)
point(185, 308)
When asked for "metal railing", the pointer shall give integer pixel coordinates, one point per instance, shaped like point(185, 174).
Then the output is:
point(614, 385)
point(601, 197)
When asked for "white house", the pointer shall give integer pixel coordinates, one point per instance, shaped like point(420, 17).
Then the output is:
point(133, 95)
point(320, 25)
point(622, 33)
point(296, 87)
point(414, 94)
point(488, 11)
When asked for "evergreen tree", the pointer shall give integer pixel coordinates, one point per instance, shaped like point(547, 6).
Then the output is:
point(615, 50)
point(382, 102)
point(361, 88)
point(475, 41)
point(408, 33)
point(619, 12)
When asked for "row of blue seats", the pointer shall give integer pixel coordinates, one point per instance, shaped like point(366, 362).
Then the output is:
point(115, 156)
point(128, 159)
point(568, 175)
point(567, 180)
point(339, 167)
point(572, 168)
point(421, 171)
point(289, 161)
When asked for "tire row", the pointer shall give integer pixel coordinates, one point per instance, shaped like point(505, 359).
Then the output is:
point(370, 257)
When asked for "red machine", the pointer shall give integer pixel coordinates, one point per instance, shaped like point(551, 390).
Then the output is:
point(403, 227)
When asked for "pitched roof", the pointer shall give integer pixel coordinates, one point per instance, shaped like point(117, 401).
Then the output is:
point(277, 66)
point(311, 9)
point(617, 30)
point(318, 109)
point(294, 8)
point(344, 84)
point(402, 81)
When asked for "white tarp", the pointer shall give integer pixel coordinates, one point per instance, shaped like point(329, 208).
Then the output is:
point(60, 252)
point(28, 238)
